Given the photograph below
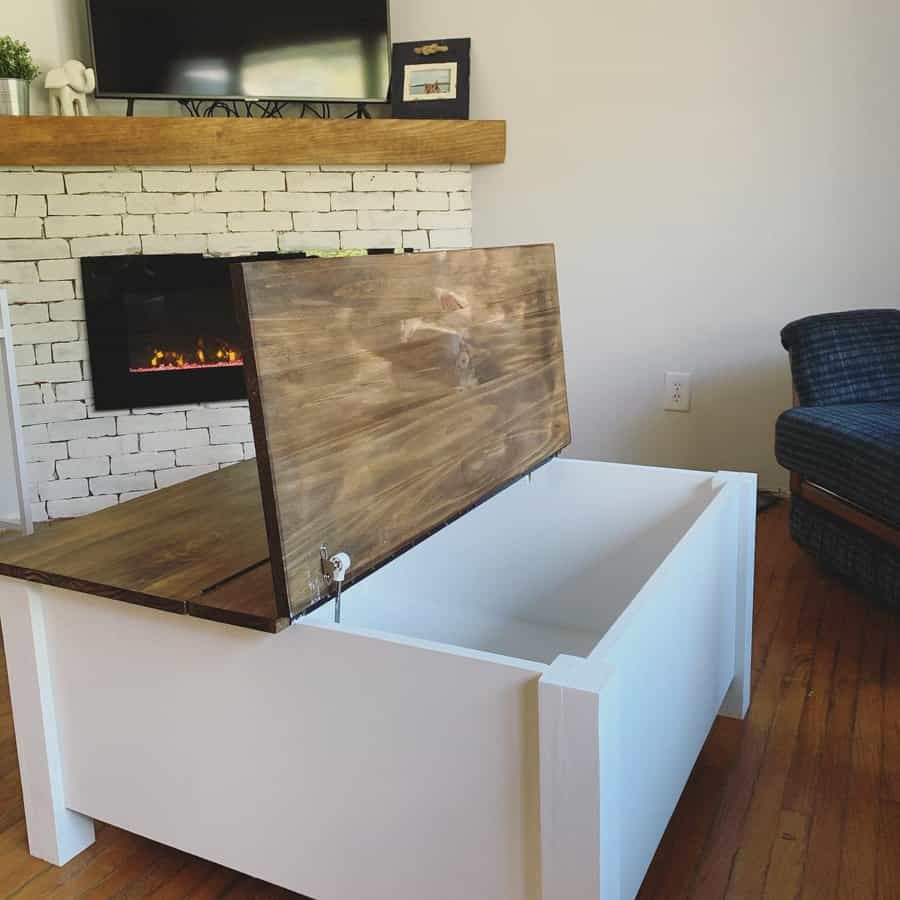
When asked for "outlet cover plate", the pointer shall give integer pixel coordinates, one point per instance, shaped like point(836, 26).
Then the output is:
point(677, 396)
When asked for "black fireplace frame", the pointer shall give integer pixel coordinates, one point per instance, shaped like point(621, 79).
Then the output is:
point(114, 385)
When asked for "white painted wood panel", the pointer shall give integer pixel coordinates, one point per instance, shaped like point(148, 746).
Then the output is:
point(660, 675)
point(400, 771)
point(15, 503)
point(737, 700)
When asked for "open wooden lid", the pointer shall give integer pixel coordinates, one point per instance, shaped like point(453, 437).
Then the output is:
point(390, 394)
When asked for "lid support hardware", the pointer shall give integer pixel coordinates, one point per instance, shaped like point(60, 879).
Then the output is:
point(334, 571)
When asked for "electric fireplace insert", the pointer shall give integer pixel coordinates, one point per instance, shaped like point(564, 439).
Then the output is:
point(162, 330)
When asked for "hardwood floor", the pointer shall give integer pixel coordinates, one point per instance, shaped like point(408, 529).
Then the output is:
point(801, 800)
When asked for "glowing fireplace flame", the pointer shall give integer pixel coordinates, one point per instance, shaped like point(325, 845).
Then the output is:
point(206, 354)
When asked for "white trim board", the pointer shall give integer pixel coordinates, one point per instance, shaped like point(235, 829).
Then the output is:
point(12, 447)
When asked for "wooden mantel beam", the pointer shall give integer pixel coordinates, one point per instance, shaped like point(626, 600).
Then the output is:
point(48, 140)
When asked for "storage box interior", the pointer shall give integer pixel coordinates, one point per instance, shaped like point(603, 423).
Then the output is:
point(543, 568)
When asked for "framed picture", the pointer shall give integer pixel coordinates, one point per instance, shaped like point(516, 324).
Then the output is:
point(430, 79)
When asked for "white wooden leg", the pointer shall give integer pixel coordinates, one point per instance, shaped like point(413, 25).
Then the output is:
point(55, 833)
point(737, 700)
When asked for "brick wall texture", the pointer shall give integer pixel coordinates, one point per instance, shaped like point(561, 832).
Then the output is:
point(81, 459)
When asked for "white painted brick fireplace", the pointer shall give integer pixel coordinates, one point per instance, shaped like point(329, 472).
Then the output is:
point(81, 459)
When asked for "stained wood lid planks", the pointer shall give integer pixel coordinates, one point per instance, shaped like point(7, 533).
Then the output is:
point(391, 393)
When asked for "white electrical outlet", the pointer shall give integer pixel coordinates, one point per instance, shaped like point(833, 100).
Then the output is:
point(678, 391)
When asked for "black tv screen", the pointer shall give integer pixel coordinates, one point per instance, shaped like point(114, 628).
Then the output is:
point(221, 49)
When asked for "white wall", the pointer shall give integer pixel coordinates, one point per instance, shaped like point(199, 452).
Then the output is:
point(708, 170)
point(56, 30)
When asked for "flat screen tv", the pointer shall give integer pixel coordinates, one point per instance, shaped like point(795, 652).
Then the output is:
point(222, 49)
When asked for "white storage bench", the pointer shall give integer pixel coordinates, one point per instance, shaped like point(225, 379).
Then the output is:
point(516, 702)
point(508, 708)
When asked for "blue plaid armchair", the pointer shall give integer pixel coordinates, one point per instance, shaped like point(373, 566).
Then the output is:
point(841, 443)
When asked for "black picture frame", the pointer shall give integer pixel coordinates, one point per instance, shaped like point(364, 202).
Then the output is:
point(410, 60)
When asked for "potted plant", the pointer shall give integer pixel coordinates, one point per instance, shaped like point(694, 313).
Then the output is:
point(17, 71)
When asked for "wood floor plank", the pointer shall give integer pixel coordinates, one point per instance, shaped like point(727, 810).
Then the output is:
point(714, 872)
point(786, 587)
point(10, 800)
point(115, 850)
point(191, 876)
point(859, 870)
point(830, 811)
point(251, 889)
point(774, 555)
point(18, 869)
point(787, 862)
point(674, 863)
point(163, 869)
point(12, 837)
point(215, 886)
point(761, 827)
point(86, 871)
point(888, 856)
point(119, 882)
point(802, 782)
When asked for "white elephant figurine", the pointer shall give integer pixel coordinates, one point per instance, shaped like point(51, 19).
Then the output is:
point(69, 85)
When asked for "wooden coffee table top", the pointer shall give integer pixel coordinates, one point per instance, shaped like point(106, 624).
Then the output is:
point(197, 548)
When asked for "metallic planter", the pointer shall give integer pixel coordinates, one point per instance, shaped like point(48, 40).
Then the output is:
point(14, 97)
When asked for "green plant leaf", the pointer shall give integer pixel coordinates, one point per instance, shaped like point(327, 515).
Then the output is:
point(16, 61)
